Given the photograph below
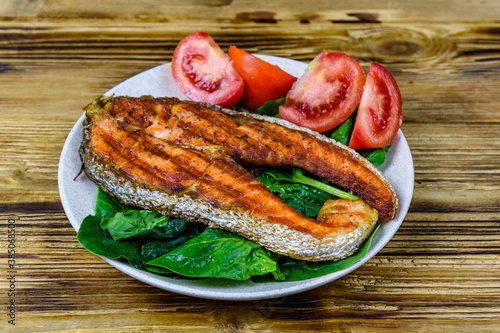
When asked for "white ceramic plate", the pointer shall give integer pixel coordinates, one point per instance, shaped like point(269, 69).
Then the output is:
point(78, 198)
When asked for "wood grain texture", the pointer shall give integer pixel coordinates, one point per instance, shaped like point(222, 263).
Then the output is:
point(440, 273)
point(242, 11)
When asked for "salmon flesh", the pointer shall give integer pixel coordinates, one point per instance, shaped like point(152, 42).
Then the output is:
point(187, 159)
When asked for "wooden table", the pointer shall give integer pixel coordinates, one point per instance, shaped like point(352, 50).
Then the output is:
point(439, 273)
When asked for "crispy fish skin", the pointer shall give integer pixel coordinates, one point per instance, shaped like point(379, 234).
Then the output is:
point(141, 168)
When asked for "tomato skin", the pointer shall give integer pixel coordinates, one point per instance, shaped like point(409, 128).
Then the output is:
point(263, 81)
point(326, 94)
point(204, 73)
point(380, 111)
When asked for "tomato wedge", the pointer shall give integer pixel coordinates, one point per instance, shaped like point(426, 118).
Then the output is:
point(326, 94)
point(205, 73)
point(379, 113)
point(263, 81)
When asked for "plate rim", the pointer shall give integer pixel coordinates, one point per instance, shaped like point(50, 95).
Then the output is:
point(195, 289)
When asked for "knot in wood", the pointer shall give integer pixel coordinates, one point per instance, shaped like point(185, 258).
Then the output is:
point(397, 48)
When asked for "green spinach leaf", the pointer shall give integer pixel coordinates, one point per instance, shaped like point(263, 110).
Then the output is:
point(154, 249)
point(129, 233)
point(296, 176)
point(271, 108)
point(305, 199)
point(107, 206)
point(342, 133)
point(298, 270)
point(143, 224)
point(99, 242)
point(217, 253)
point(376, 156)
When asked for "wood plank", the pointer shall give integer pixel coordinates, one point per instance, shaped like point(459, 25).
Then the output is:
point(404, 285)
point(452, 78)
point(242, 11)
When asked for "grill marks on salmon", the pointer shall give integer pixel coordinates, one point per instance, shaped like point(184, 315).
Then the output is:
point(183, 159)
point(253, 141)
point(207, 173)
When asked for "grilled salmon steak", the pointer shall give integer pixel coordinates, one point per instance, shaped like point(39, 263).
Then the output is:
point(186, 159)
